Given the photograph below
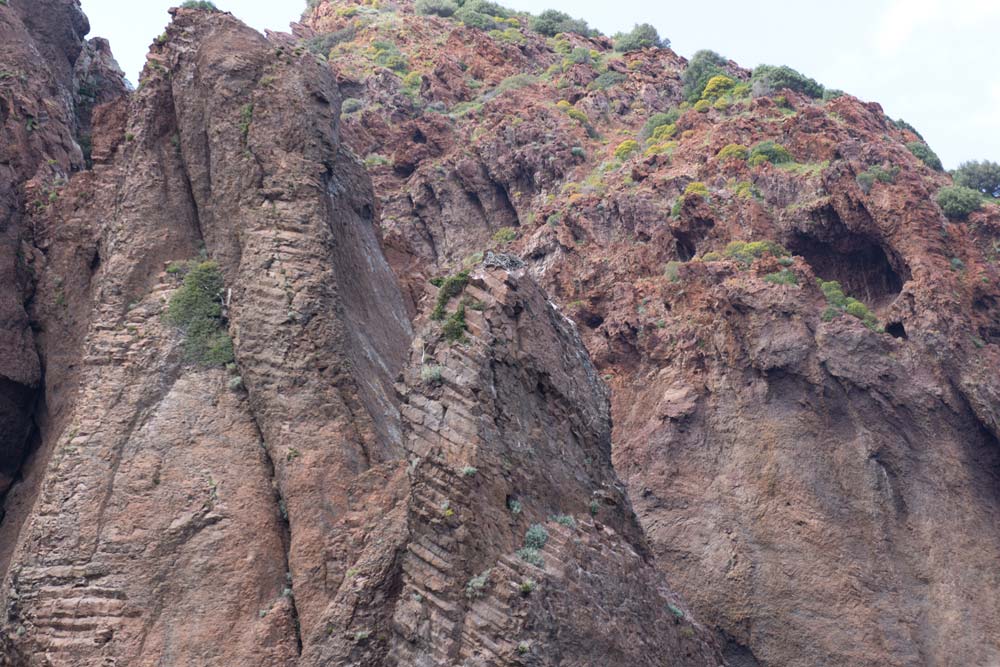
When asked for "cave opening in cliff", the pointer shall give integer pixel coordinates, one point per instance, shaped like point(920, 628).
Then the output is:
point(686, 248)
point(857, 261)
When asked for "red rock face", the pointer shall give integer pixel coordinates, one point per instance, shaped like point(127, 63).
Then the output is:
point(822, 492)
point(780, 476)
point(44, 62)
point(340, 492)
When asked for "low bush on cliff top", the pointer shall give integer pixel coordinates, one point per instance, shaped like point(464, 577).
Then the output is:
point(552, 22)
point(981, 176)
point(768, 79)
point(482, 14)
point(926, 155)
point(703, 66)
point(958, 202)
point(196, 309)
point(199, 4)
point(642, 36)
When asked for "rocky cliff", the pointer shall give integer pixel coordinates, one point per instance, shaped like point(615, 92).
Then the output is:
point(307, 345)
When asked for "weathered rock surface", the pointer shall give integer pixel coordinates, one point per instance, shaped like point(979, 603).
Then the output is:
point(819, 487)
point(822, 492)
point(507, 430)
point(311, 503)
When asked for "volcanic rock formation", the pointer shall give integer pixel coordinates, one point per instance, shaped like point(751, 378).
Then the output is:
point(282, 509)
point(422, 252)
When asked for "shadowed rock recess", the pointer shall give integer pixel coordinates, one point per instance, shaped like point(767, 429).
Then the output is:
point(400, 341)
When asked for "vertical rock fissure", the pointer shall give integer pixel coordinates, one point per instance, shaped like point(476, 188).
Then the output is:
point(280, 505)
point(284, 522)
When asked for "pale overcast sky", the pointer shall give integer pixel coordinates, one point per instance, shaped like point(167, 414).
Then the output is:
point(930, 62)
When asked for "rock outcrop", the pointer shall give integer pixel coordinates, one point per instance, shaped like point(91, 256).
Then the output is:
point(507, 435)
point(820, 485)
point(288, 494)
point(152, 528)
point(340, 464)
point(50, 77)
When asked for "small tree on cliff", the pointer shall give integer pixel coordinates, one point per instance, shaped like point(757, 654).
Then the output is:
point(982, 176)
point(703, 66)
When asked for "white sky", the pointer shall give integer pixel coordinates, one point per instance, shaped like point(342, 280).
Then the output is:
point(930, 62)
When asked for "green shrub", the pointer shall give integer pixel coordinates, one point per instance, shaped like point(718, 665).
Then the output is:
point(673, 268)
point(642, 36)
point(678, 205)
point(580, 56)
point(769, 151)
point(469, 471)
point(832, 94)
point(199, 4)
point(578, 152)
point(532, 556)
point(658, 120)
point(351, 104)
point(565, 520)
point(745, 190)
point(664, 148)
point(718, 86)
point(768, 79)
point(322, 44)
point(246, 119)
point(663, 133)
point(606, 80)
point(702, 106)
point(430, 374)
point(958, 202)
point(449, 288)
point(474, 589)
point(527, 586)
point(702, 67)
point(733, 152)
point(696, 189)
point(436, 7)
point(552, 22)
point(783, 277)
point(196, 309)
point(926, 155)
point(536, 537)
point(981, 176)
point(903, 125)
point(454, 327)
point(745, 253)
point(505, 235)
point(626, 148)
point(838, 302)
point(481, 14)
point(486, 7)
point(514, 82)
point(866, 179)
